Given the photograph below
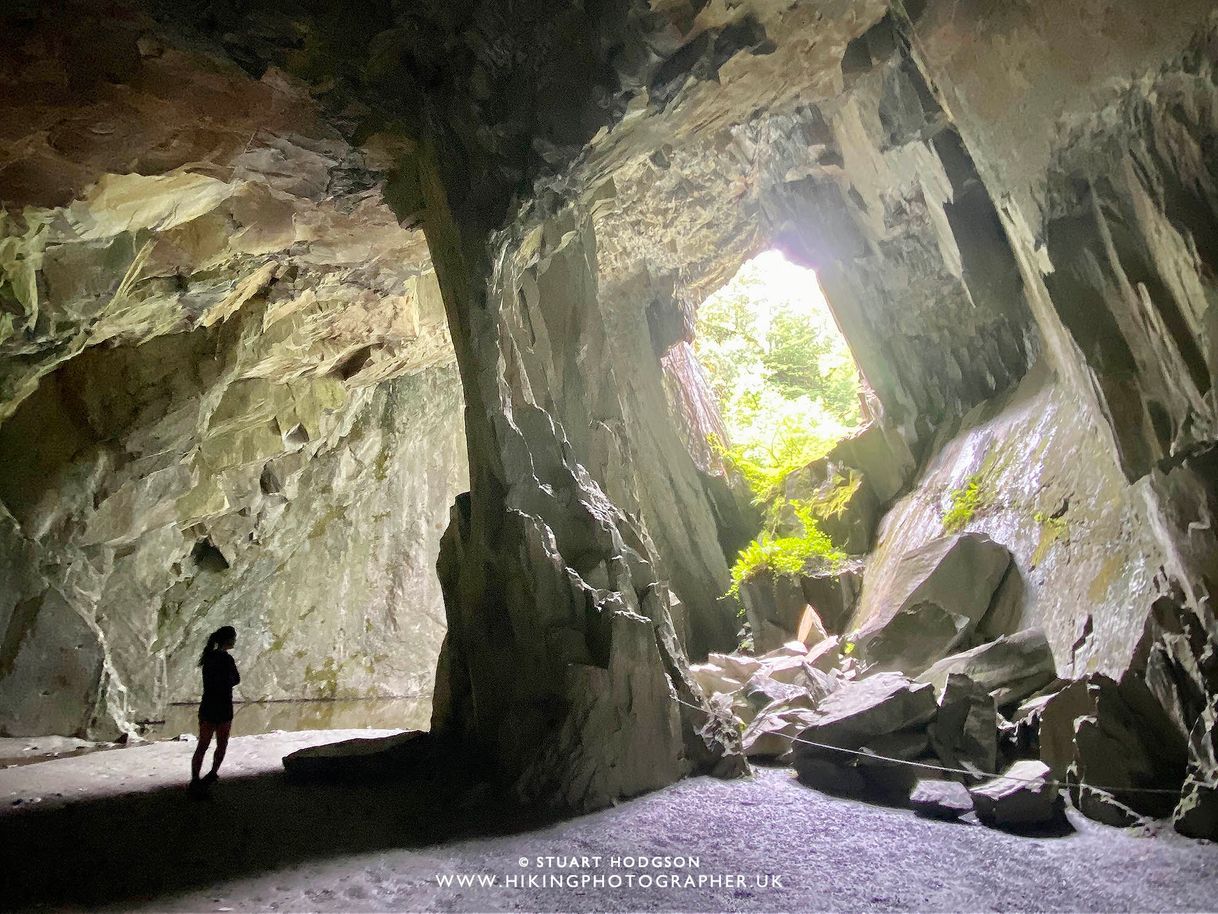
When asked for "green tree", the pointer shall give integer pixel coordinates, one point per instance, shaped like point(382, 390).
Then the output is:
point(788, 390)
point(785, 380)
point(792, 360)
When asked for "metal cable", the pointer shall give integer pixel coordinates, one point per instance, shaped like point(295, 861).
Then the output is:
point(965, 771)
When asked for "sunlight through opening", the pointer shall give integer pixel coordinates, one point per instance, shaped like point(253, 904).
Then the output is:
point(787, 385)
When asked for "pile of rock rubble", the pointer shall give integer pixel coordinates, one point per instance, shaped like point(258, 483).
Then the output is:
point(912, 710)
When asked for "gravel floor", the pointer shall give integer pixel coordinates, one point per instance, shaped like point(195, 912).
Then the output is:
point(124, 835)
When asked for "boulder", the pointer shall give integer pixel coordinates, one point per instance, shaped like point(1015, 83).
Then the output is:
point(1127, 746)
point(914, 638)
point(1103, 807)
point(771, 733)
point(782, 676)
point(936, 799)
point(859, 712)
point(929, 602)
point(1196, 815)
point(1024, 796)
point(965, 731)
point(883, 719)
point(825, 656)
point(796, 685)
point(1056, 724)
point(1010, 668)
point(830, 777)
point(902, 745)
point(833, 594)
point(774, 606)
point(811, 630)
point(726, 673)
point(793, 648)
point(806, 677)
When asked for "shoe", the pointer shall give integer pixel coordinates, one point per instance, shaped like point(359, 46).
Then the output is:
point(210, 778)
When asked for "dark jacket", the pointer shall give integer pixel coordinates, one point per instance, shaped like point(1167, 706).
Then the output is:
point(219, 676)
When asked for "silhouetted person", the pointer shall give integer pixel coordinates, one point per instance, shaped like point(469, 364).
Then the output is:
point(216, 709)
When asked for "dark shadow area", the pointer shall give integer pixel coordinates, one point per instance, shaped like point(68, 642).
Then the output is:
point(138, 847)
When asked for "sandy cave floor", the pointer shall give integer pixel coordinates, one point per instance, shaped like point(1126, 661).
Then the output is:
point(117, 830)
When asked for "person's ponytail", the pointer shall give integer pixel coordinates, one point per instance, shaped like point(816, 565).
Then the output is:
point(220, 636)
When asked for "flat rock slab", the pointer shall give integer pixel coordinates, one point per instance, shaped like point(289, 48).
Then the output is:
point(154, 766)
point(1010, 668)
point(1023, 797)
point(940, 799)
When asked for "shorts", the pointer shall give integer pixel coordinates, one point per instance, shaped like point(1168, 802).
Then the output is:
point(214, 712)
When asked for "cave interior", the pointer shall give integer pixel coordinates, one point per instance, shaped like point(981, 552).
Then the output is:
point(369, 328)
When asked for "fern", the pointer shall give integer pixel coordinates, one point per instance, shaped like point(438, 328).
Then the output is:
point(785, 555)
point(965, 503)
point(764, 474)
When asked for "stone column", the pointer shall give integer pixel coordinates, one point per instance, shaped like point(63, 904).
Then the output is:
point(561, 668)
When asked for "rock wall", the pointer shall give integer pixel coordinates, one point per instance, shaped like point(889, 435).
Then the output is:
point(976, 309)
point(227, 394)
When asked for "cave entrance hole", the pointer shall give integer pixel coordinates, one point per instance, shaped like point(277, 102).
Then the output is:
point(788, 389)
point(784, 378)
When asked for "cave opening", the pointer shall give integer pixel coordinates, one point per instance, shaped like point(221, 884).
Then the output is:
point(783, 374)
point(788, 391)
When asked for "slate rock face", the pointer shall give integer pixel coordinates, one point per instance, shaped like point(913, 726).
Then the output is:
point(212, 309)
point(937, 595)
point(1197, 813)
point(227, 396)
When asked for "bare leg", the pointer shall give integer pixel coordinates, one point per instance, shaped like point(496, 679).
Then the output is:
point(196, 763)
point(222, 731)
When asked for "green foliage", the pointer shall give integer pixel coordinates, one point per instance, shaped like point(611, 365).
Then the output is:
point(785, 555)
point(788, 391)
point(965, 502)
point(786, 383)
point(834, 499)
point(764, 472)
